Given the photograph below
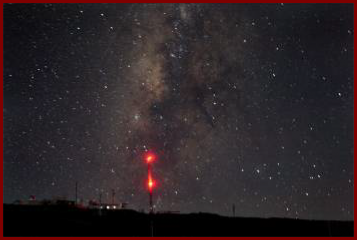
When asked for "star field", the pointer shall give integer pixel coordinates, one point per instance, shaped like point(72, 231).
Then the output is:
point(245, 104)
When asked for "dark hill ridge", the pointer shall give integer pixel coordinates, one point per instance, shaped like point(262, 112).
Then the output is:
point(24, 220)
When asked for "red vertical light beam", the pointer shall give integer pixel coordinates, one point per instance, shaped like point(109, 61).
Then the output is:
point(150, 185)
point(149, 159)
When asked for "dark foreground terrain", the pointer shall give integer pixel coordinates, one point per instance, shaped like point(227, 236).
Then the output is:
point(70, 221)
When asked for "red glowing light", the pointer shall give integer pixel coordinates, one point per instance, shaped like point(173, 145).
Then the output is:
point(150, 158)
point(150, 183)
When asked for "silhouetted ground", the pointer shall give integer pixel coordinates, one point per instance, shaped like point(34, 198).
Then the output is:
point(70, 221)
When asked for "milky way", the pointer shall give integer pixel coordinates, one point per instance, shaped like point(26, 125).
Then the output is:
point(243, 104)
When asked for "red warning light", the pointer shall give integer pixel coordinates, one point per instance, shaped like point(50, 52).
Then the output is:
point(151, 183)
point(150, 158)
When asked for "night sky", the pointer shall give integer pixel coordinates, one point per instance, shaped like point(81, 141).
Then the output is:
point(245, 104)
